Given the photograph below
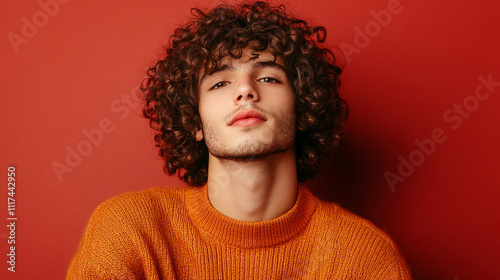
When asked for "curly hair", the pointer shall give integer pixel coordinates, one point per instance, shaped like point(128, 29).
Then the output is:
point(171, 88)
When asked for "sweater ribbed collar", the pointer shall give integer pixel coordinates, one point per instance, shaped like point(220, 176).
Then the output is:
point(222, 229)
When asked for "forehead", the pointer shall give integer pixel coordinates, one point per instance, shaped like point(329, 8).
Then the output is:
point(249, 55)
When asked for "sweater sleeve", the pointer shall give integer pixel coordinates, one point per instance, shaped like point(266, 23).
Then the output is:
point(391, 265)
point(106, 250)
point(385, 259)
point(365, 251)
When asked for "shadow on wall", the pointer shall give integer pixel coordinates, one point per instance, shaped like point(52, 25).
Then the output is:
point(347, 177)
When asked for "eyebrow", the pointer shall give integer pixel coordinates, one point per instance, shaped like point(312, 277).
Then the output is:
point(256, 65)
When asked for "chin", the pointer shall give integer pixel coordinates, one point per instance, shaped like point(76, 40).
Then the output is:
point(249, 152)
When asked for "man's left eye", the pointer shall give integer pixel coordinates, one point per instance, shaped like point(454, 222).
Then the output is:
point(269, 80)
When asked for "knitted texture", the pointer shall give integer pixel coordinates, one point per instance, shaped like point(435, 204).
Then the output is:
point(177, 234)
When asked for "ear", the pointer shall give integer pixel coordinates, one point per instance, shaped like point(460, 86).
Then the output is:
point(199, 135)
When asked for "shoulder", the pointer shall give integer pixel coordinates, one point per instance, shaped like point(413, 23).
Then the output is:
point(350, 225)
point(150, 195)
point(361, 242)
point(122, 229)
point(140, 206)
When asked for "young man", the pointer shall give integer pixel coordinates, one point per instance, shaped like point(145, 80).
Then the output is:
point(246, 105)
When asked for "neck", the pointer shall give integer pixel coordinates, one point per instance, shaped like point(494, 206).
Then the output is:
point(254, 190)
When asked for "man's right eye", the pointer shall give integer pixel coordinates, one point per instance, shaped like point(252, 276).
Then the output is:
point(219, 85)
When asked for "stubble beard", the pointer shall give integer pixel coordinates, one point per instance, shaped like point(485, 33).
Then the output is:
point(255, 148)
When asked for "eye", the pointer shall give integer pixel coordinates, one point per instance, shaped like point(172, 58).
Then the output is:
point(269, 80)
point(219, 85)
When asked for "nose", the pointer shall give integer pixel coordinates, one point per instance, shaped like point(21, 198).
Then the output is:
point(246, 90)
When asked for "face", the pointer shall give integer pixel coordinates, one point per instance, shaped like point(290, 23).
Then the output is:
point(247, 107)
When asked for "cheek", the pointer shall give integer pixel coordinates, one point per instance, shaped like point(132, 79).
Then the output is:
point(286, 101)
point(205, 108)
point(289, 109)
point(211, 110)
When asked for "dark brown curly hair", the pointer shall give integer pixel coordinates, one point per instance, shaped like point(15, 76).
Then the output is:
point(171, 89)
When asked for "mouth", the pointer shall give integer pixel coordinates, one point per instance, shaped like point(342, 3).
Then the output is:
point(247, 118)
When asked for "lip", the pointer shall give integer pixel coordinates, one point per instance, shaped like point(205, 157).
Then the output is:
point(246, 118)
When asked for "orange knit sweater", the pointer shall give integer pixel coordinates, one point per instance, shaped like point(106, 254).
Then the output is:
point(177, 234)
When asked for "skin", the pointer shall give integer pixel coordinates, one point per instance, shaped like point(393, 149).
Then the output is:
point(252, 173)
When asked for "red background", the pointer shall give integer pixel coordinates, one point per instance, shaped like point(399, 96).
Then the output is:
point(84, 58)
